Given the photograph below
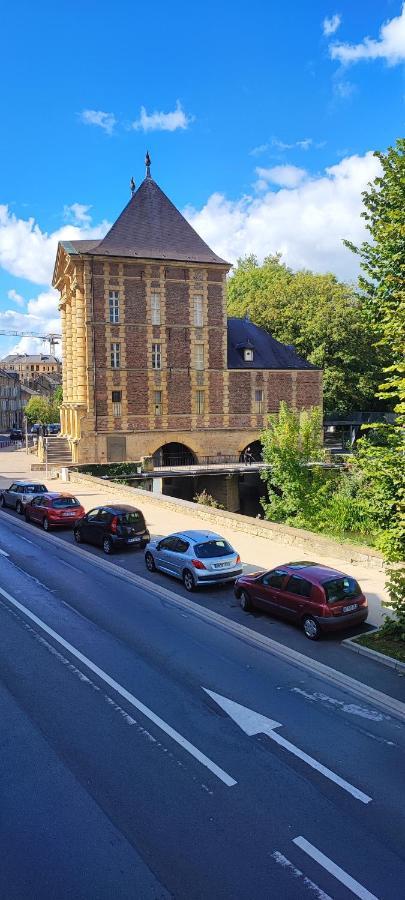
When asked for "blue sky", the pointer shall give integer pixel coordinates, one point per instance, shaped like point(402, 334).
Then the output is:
point(260, 119)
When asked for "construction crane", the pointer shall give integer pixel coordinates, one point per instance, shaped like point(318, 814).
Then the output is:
point(52, 338)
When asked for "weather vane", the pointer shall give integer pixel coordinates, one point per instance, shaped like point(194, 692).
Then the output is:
point(132, 186)
point(147, 164)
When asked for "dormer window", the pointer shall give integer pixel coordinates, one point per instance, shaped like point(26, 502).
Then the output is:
point(248, 354)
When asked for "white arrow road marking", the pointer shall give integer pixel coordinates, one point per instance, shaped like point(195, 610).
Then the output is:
point(252, 722)
point(204, 760)
point(3, 553)
point(357, 889)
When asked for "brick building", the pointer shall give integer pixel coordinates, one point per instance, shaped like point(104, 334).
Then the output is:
point(11, 401)
point(152, 365)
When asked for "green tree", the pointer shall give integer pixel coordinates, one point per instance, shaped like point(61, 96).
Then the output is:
point(38, 410)
point(322, 318)
point(383, 266)
point(382, 284)
point(298, 483)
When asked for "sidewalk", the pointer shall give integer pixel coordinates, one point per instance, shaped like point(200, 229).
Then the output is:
point(256, 551)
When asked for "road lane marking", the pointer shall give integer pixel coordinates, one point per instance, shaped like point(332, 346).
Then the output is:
point(251, 637)
point(252, 722)
point(354, 886)
point(148, 713)
point(296, 873)
point(3, 553)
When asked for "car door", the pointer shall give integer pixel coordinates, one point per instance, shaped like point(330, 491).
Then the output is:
point(297, 597)
point(177, 556)
point(164, 556)
point(267, 593)
point(36, 506)
point(101, 525)
point(11, 496)
point(89, 528)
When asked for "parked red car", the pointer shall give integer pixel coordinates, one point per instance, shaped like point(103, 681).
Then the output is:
point(54, 509)
point(316, 597)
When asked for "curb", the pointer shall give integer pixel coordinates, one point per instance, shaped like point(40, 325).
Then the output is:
point(352, 644)
point(294, 657)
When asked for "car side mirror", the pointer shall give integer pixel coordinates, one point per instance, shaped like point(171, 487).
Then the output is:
point(158, 546)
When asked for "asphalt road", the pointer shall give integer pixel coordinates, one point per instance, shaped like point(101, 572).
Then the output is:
point(122, 777)
point(221, 599)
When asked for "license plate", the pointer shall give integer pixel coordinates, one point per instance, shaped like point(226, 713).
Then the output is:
point(133, 540)
point(350, 608)
point(69, 514)
point(221, 565)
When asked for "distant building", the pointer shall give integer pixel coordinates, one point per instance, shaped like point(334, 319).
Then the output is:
point(31, 366)
point(11, 401)
point(152, 365)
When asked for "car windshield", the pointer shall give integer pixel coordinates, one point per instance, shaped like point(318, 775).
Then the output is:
point(344, 588)
point(210, 549)
point(64, 502)
point(131, 518)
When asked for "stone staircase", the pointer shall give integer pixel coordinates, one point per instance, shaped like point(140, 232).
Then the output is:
point(58, 452)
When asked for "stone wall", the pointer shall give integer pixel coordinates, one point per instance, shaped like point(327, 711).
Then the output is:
point(303, 542)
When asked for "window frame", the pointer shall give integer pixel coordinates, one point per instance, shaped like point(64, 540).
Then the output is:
point(157, 356)
point(198, 310)
point(115, 354)
point(200, 407)
point(199, 357)
point(259, 402)
point(114, 307)
point(155, 308)
point(158, 404)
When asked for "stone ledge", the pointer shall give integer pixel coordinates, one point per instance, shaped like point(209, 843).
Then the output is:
point(352, 644)
point(297, 537)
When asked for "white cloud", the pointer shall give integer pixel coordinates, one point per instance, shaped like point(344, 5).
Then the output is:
point(15, 297)
point(28, 252)
point(329, 26)
point(390, 45)
point(256, 151)
point(160, 121)
point(77, 214)
point(284, 176)
point(307, 224)
point(104, 120)
point(42, 317)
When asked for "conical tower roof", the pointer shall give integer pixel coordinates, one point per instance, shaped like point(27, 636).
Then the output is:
point(150, 227)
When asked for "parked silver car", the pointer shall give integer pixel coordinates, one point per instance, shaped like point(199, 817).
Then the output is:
point(20, 493)
point(196, 557)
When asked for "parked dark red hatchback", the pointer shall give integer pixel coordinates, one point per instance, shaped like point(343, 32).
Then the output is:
point(54, 509)
point(316, 597)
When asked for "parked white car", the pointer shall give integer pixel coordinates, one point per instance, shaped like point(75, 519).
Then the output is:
point(20, 493)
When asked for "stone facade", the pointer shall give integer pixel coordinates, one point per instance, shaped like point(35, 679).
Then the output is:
point(210, 409)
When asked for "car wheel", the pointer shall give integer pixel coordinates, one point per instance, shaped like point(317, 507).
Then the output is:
point(2, 501)
point(188, 580)
point(107, 545)
point(77, 535)
point(19, 508)
point(311, 628)
point(150, 562)
point(245, 602)
point(45, 524)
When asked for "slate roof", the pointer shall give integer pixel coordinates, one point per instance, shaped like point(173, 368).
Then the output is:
point(150, 227)
point(267, 352)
